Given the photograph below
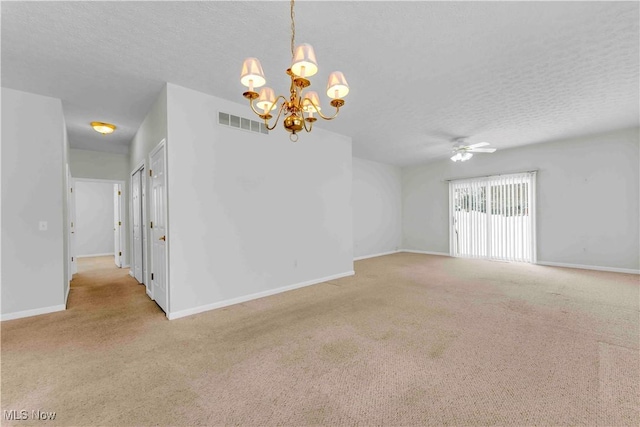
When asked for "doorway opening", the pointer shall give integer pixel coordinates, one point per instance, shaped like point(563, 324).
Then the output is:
point(493, 217)
point(97, 221)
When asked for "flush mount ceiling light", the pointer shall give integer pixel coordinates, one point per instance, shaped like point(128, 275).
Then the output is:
point(300, 107)
point(103, 128)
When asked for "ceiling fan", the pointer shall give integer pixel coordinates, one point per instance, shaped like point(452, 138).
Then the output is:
point(463, 152)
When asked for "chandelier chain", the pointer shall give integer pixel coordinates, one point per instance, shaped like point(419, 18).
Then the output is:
point(293, 29)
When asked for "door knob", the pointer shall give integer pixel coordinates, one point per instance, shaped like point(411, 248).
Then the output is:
point(164, 238)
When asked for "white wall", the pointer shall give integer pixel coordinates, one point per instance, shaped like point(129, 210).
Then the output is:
point(250, 213)
point(151, 132)
point(98, 165)
point(588, 198)
point(94, 218)
point(33, 278)
point(377, 208)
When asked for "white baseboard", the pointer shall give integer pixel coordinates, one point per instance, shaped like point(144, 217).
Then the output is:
point(589, 267)
point(34, 312)
point(375, 255)
point(94, 255)
point(232, 301)
point(66, 297)
point(411, 251)
point(148, 293)
point(131, 274)
point(126, 266)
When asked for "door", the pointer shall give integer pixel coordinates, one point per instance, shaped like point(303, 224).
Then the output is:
point(158, 225)
point(117, 225)
point(71, 206)
point(136, 204)
point(494, 217)
point(145, 245)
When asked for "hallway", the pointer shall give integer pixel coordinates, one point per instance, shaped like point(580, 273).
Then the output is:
point(100, 286)
point(105, 304)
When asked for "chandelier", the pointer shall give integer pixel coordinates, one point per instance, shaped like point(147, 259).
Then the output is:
point(299, 108)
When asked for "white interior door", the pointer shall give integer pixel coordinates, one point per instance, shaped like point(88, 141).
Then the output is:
point(117, 225)
point(145, 250)
point(136, 204)
point(71, 206)
point(159, 228)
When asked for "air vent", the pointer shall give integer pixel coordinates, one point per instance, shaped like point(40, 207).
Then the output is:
point(242, 123)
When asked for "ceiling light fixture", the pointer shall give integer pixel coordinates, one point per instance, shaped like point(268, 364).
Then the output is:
point(103, 128)
point(299, 108)
point(461, 157)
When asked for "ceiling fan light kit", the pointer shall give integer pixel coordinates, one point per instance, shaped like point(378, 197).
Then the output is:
point(299, 108)
point(461, 157)
point(463, 152)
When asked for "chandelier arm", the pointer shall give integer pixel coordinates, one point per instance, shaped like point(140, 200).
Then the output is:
point(254, 108)
point(276, 101)
point(315, 107)
point(275, 123)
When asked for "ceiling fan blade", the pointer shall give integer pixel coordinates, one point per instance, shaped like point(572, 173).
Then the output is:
point(481, 150)
point(479, 144)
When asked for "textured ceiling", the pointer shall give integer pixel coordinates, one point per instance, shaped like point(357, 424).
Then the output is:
point(421, 73)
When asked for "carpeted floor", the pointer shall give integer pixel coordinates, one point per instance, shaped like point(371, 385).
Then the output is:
point(409, 340)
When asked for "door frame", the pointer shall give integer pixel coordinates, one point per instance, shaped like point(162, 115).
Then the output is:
point(142, 166)
point(162, 145)
point(125, 254)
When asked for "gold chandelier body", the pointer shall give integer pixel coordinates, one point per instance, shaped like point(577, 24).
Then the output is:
point(299, 108)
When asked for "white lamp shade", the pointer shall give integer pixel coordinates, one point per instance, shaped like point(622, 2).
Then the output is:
point(252, 75)
point(304, 62)
point(266, 99)
point(456, 157)
point(337, 86)
point(310, 97)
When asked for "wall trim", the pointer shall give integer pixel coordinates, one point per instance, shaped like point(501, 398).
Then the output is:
point(131, 274)
point(412, 251)
point(376, 255)
point(589, 267)
point(94, 255)
point(66, 297)
point(33, 312)
point(238, 300)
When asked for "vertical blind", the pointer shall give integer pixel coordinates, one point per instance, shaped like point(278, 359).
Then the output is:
point(493, 217)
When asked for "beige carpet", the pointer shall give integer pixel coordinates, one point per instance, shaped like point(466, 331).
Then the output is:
point(410, 340)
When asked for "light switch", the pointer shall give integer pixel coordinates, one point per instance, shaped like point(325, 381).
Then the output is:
point(44, 225)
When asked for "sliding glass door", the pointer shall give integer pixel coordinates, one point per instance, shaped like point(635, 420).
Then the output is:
point(493, 217)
